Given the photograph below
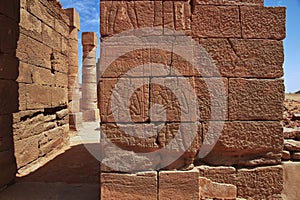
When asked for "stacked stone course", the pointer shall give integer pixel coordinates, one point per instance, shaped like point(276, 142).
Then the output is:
point(244, 40)
point(38, 66)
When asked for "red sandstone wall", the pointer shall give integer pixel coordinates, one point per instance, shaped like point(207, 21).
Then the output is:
point(9, 33)
point(244, 39)
point(42, 123)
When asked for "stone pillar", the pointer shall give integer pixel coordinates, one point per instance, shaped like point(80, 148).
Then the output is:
point(74, 96)
point(89, 77)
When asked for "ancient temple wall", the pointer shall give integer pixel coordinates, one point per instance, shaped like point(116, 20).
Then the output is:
point(244, 40)
point(41, 125)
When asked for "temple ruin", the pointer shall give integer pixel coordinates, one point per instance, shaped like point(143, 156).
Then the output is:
point(188, 96)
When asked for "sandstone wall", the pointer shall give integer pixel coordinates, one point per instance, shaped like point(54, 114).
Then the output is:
point(244, 40)
point(42, 123)
point(9, 33)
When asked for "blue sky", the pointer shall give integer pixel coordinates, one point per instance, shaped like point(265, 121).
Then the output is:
point(89, 13)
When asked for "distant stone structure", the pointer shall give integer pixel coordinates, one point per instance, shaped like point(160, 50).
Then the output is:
point(89, 77)
point(244, 40)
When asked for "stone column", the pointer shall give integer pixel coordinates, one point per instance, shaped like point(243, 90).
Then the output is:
point(89, 77)
point(75, 116)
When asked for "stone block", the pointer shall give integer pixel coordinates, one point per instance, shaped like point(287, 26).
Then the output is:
point(136, 91)
point(255, 183)
point(291, 179)
point(215, 21)
point(75, 120)
point(59, 97)
point(245, 143)
point(74, 17)
point(179, 184)
point(51, 37)
point(42, 100)
point(42, 76)
point(8, 67)
point(91, 115)
point(30, 25)
point(61, 80)
point(263, 22)
point(33, 52)
point(254, 99)
point(212, 190)
point(260, 183)
point(8, 90)
point(119, 16)
point(59, 62)
point(286, 155)
point(226, 2)
point(129, 186)
point(41, 12)
point(89, 38)
point(212, 94)
point(26, 150)
point(246, 58)
point(296, 156)
point(292, 145)
point(25, 73)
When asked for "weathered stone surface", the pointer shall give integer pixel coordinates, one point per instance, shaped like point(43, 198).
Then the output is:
point(253, 99)
point(210, 189)
point(59, 97)
point(296, 156)
point(25, 73)
point(226, 2)
point(26, 151)
point(260, 183)
point(74, 17)
point(245, 143)
point(33, 52)
point(263, 22)
point(291, 145)
point(179, 184)
point(119, 16)
point(59, 62)
point(286, 155)
point(129, 186)
point(30, 25)
point(215, 21)
point(139, 103)
point(34, 101)
point(256, 183)
point(246, 58)
point(291, 181)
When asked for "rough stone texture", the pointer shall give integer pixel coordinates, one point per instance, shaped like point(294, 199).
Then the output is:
point(253, 99)
point(179, 184)
point(129, 186)
point(244, 41)
point(246, 58)
point(40, 125)
point(210, 189)
point(256, 183)
point(246, 144)
point(215, 21)
point(259, 22)
point(291, 181)
point(292, 145)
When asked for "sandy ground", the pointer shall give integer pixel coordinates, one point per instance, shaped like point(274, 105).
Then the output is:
point(295, 97)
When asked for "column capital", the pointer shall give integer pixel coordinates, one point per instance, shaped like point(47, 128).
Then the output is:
point(89, 38)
